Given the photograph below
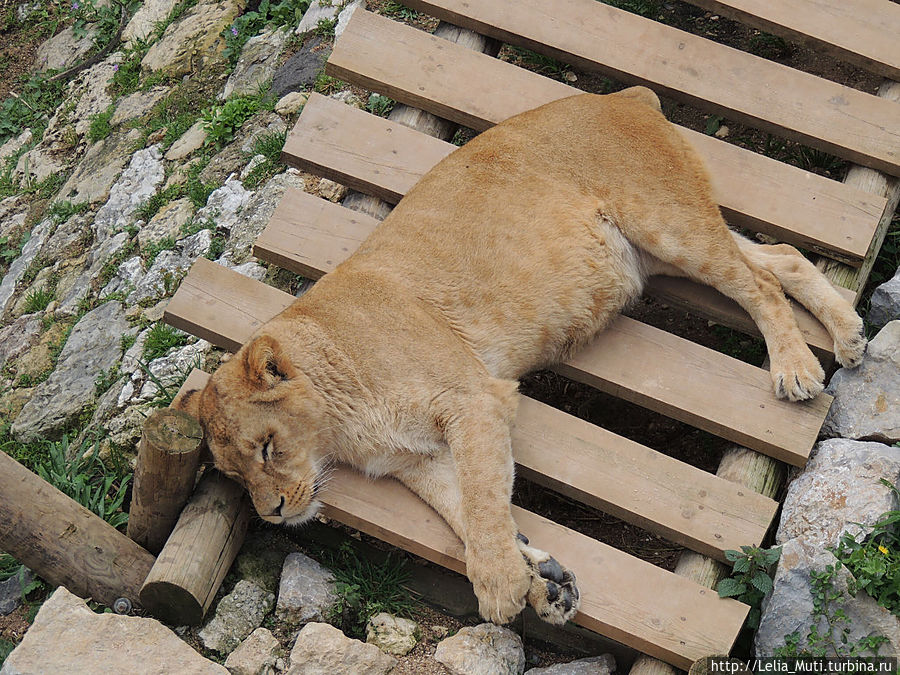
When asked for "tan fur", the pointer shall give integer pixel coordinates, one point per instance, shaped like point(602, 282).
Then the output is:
point(508, 255)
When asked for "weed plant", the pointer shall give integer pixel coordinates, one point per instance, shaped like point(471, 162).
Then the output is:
point(397, 11)
point(750, 581)
point(160, 339)
point(223, 121)
point(61, 211)
point(100, 127)
point(269, 145)
point(284, 13)
point(364, 589)
point(37, 300)
point(380, 105)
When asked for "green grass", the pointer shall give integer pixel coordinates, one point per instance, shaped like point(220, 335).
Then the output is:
point(100, 127)
point(61, 211)
point(37, 300)
point(327, 85)
point(364, 589)
point(161, 339)
point(269, 145)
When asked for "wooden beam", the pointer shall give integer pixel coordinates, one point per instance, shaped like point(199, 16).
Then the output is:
point(65, 543)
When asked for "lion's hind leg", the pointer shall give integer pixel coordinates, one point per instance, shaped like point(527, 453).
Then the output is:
point(699, 244)
point(803, 282)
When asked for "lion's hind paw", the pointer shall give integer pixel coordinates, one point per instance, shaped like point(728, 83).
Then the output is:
point(553, 592)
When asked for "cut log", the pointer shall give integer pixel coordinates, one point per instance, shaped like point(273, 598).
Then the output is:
point(164, 477)
point(65, 543)
point(191, 566)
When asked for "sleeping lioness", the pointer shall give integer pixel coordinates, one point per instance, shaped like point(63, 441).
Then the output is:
point(506, 257)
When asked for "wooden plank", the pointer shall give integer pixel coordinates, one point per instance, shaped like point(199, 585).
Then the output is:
point(632, 482)
point(743, 87)
point(326, 143)
point(622, 597)
point(631, 360)
point(754, 191)
point(862, 32)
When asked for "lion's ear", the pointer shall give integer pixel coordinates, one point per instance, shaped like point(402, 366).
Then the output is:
point(188, 402)
point(266, 363)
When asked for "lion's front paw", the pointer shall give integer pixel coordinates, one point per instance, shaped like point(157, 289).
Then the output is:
point(850, 347)
point(553, 592)
point(500, 585)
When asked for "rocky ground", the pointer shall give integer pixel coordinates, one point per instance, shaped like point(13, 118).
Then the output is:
point(166, 150)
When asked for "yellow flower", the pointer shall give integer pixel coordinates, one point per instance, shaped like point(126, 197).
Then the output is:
point(883, 550)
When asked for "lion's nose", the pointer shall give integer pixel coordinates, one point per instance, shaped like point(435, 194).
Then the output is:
point(279, 507)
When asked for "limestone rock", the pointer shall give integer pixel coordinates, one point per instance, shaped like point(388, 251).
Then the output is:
point(135, 186)
point(196, 245)
point(194, 40)
point(162, 278)
point(168, 222)
point(256, 212)
point(256, 64)
point(237, 615)
point(300, 70)
point(348, 97)
point(867, 398)
point(144, 21)
point(20, 265)
point(18, 337)
point(65, 49)
point(317, 11)
point(482, 650)
point(392, 634)
point(344, 17)
point(885, 304)
point(322, 649)
point(128, 275)
point(225, 204)
point(790, 605)
point(13, 145)
point(190, 140)
point(93, 347)
point(839, 487)
point(333, 192)
point(67, 637)
point(248, 269)
point(171, 368)
point(137, 105)
point(90, 91)
point(98, 170)
point(254, 656)
point(261, 559)
point(594, 665)
point(69, 236)
point(72, 292)
point(233, 156)
point(291, 102)
point(38, 360)
point(306, 590)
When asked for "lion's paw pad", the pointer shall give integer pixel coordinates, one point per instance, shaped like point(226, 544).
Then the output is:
point(553, 593)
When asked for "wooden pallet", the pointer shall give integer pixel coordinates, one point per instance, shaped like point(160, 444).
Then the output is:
point(654, 611)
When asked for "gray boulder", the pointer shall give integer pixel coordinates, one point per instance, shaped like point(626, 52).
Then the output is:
point(144, 21)
point(485, 649)
point(20, 265)
point(318, 11)
point(257, 63)
point(98, 170)
point(237, 615)
point(135, 186)
point(300, 70)
point(225, 204)
point(93, 347)
point(839, 491)
point(12, 589)
point(306, 590)
point(594, 665)
point(72, 292)
point(137, 105)
point(64, 49)
point(67, 637)
point(867, 398)
point(392, 634)
point(322, 649)
point(254, 656)
point(167, 223)
point(885, 304)
point(18, 337)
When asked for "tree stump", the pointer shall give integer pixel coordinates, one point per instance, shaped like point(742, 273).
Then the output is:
point(166, 471)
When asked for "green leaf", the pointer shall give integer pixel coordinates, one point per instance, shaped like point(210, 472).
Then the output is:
point(730, 588)
point(762, 582)
point(742, 565)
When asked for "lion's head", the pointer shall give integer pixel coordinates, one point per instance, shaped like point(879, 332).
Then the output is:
point(265, 425)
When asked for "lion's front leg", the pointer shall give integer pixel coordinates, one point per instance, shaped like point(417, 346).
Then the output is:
point(471, 488)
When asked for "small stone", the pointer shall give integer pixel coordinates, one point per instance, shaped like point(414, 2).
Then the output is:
point(485, 649)
point(136, 105)
point(392, 634)
point(440, 631)
point(238, 614)
point(13, 145)
point(306, 591)
point(291, 102)
point(570, 76)
point(722, 132)
point(256, 64)
point(594, 665)
point(867, 398)
point(317, 11)
point(67, 637)
point(333, 192)
point(254, 162)
point(193, 41)
point(349, 98)
point(321, 649)
point(64, 49)
point(344, 17)
point(301, 69)
point(255, 655)
point(190, 140)
point(224, 206)
point(12, 590)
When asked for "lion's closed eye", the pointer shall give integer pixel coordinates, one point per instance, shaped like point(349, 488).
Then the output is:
point(268, 448)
